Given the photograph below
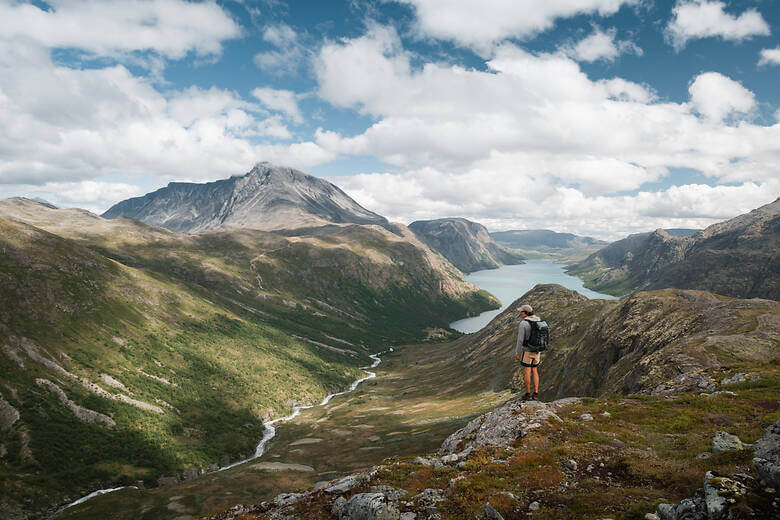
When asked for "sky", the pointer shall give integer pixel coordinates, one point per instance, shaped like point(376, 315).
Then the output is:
point(596, 117)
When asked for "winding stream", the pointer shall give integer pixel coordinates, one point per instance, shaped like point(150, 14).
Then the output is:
point(268, 434)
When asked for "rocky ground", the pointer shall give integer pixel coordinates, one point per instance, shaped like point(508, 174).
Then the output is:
point(668, 457)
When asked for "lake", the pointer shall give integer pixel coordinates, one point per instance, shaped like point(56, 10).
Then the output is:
point(509, 282)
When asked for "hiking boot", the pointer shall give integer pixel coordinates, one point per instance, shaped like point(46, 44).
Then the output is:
point(526, 396)
point(534, 396)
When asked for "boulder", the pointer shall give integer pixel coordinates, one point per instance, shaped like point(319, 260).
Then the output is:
point(369, 506)
point(392, 494)
point(767, 456)
point(345, 484)
point(504, 425)
point(285, 499)
point(724, 441)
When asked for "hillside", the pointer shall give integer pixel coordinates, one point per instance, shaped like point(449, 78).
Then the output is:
point(738, 258)
point(466, 244)
point(602, 347)
point(543, 243)
point(130, 352)
point(268, 197)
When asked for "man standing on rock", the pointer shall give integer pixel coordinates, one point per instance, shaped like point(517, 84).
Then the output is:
point(532, 337)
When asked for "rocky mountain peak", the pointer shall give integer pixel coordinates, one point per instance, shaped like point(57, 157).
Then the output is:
point(268, 197)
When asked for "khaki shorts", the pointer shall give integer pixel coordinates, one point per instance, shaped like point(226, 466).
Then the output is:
point(530, 359)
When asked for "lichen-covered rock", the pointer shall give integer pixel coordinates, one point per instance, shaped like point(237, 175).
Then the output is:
point(501, 427)
point(392, 494)
point(767, 456)
point(369, 506)
point(715, 500)
point(724, 441)
point(345, 484)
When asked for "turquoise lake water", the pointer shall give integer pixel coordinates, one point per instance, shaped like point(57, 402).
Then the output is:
point(510, 282)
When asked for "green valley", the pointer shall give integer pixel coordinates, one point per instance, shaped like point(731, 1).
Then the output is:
point(130, 353)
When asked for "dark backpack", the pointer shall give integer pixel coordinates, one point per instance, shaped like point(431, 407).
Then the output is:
point(539, 337)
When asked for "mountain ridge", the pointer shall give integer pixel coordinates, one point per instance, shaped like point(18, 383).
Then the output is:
point(737, 257)
point(268, 198)
point(466, 244)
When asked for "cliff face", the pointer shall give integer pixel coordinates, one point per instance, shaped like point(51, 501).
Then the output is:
point(652, 342)
point(266, 198)
point(466, 244)
point(736, 258)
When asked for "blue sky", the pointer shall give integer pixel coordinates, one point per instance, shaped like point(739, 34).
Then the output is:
point(599, 117)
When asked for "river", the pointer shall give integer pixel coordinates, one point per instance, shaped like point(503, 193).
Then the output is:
point(509, 282)
point(268, 434)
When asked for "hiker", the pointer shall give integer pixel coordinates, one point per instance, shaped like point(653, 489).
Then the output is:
point(532, 337)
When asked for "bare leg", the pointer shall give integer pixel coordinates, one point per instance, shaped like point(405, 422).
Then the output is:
point(527, 379)
point(536, 380)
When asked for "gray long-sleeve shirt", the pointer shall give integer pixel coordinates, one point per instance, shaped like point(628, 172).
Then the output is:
point(523, 333)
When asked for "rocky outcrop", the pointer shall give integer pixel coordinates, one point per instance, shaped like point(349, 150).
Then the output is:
point(735, 258)
point(503, 426)
point(466, 244)
point(721, 498)
point(8, 415)
point(83, 414)
point(268, 197)
point(767, 456)
point(369, 506)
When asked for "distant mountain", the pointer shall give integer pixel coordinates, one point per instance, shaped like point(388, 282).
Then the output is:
point(548, 244)
point(736, 258)
point(464, 243)
point(266, 198)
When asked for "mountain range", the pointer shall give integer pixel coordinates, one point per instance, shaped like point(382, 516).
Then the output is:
point(738, 258)
point(158, 339)
point(543, 243)
point(466, 244)
point(268, 197)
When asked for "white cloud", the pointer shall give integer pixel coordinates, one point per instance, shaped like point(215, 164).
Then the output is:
point(716, 96)
point(600, 45)
point(541, 109)
point(284, 101)
point(695, 19)
point(535, 203)
point(770, 56)
point(274, 127)
point(289, 54)
point(481, 24)
point(534, 135)
point(71, 125)
point(171, 28)
point(94, 196)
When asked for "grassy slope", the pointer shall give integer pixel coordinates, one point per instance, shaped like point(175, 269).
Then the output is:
point(642, 453)
point(419, 398)
point(212, 314)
